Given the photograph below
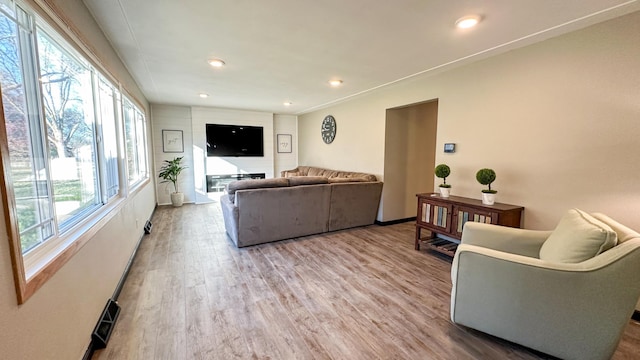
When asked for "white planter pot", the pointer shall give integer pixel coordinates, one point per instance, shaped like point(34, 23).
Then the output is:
point(488, 199)
point(444, 192)
point(177, 198)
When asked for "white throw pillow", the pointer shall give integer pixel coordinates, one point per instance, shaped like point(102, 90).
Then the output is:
point(578, 237)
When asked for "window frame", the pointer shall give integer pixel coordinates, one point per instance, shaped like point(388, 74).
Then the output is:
point(135, 111)
point(30, 276)
point(117, 122)
point(43, 30)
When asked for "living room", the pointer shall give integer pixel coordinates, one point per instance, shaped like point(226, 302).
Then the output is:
point(546, 120)
point(576, 134)
point(557, 119)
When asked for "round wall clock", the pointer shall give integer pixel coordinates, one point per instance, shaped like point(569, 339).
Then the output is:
point(328, 129)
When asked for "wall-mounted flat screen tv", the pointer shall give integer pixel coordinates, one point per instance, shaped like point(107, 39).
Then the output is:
point(234, 140)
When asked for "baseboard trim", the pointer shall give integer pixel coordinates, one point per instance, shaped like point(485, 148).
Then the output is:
point(125, 274)
point(636, 315)
point(94, 345)
point(393, 222)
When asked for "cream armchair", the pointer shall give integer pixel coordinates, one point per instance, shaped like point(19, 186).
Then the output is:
point(572, 310)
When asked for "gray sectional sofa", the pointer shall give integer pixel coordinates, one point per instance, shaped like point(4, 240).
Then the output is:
point(299, 204)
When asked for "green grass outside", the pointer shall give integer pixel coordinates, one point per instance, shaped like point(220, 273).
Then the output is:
point(64, 190)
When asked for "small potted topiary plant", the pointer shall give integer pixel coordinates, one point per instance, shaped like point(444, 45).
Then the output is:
point(486, 177)
point(442, 171)
point(169, 173)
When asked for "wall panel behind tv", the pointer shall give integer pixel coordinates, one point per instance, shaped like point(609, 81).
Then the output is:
point(204, 165)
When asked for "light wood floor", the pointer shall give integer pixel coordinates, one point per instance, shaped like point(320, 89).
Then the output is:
point(355, 294)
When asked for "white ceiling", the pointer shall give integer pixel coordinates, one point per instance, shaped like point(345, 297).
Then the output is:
point(288, 50)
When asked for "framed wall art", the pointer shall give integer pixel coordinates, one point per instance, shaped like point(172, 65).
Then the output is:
point(172, 141)
point(284, 143)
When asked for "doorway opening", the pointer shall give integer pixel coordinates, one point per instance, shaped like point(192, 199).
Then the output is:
point(409, 157)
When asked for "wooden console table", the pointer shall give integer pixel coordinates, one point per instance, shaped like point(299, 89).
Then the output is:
point(447, 216)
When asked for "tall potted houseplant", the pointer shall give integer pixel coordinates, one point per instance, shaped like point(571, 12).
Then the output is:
point(442, 171)
point(486, 177)
point(169, 172)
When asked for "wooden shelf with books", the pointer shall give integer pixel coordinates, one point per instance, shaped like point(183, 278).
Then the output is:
point(447, 216)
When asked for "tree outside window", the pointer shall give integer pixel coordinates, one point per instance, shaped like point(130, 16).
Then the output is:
point(67, 96)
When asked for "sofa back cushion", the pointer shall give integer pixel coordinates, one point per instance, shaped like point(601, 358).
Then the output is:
point(328, 173)
point(334, 180)
point(356, 175)
point(307, 180)
point(233, 186)
point(578, 237)
point(624, 233)
point(290, 173)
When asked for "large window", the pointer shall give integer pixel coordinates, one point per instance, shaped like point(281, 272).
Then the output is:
point(71, 138)
point(135, 143)
point(67, 97)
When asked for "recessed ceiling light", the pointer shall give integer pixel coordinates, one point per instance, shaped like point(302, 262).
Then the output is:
point(216, 62)
point(335, 83)
point(204, 96)
point(288, 103)
point(466, 22)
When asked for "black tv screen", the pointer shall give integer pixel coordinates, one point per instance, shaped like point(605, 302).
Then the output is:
point(234, 140)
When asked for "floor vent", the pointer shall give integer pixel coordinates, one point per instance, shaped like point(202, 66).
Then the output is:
point(105, 325)
point(147, 227)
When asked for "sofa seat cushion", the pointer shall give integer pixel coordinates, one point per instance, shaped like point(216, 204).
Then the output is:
point(234, 186)
point(578, 237)
point(307, 180)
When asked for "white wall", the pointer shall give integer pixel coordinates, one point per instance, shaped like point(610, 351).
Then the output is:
point(359, 142)
point(285, 124)
point(204, 165)
point(557, 120)
point(168, 117)
point(192, 121)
